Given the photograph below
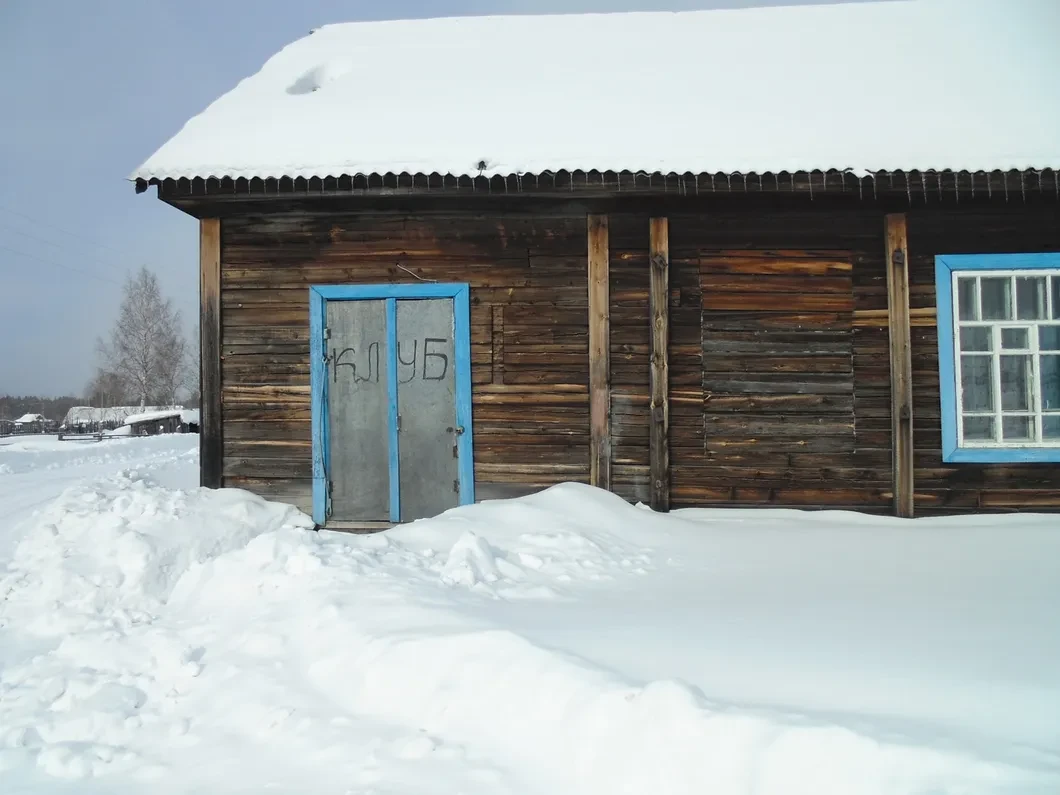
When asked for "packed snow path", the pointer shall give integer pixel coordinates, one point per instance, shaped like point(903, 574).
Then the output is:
point(157, 636)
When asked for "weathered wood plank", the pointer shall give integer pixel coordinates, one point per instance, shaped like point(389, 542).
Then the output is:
point(599, 353)
point(659, 381)
point(901, 366)
point(497, 353)
point(211, 429)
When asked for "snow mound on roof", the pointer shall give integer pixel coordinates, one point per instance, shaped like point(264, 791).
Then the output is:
point(319, 76)
point(745, 90)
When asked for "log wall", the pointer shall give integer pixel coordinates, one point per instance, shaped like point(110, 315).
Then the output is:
point(529, 336)
point(950, 488)
point(779, 374)
point(765, 365)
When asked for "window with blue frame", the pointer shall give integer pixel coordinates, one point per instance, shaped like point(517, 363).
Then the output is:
point(999, 356)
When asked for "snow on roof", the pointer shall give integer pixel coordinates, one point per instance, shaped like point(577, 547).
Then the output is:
point(115, 414)
point(881, 86)
point(26, 419)
point(149, 416)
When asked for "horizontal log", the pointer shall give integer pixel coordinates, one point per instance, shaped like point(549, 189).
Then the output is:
point(765, 283)
point(752, 301)
point(812, 444)
point(779, 384)
point(746, 320)
point(750, 364)
point(756, 404)
point(786, 263)
point(267, 467)
point(921, 317)
point(242, 430)
point(779, 425)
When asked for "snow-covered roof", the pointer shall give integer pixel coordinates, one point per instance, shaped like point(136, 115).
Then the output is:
point(115, 414)
point(150, 416)
point(26, 419)
point(867, 87)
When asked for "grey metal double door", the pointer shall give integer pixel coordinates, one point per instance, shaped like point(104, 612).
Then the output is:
point(393, 430)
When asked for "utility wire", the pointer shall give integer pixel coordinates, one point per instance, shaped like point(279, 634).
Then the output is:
point(90, 274)
point(74, 235)
point(61, 246)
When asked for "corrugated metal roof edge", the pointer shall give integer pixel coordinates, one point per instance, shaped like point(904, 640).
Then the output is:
point(909, 181)
point(314, 172)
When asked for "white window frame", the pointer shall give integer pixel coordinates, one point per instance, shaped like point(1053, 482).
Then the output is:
point(1035, 412)
point(955, 448)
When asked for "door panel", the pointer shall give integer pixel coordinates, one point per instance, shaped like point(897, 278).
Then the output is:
point(427, 438)
point(358, 408)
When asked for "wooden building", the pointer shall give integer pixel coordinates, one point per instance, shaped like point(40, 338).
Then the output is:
point(825, 283)
point(153, 423)
point(31, 423)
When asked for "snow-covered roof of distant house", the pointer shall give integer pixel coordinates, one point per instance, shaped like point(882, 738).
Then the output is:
point(865, 87)
point(26, 419)
point(151, 416)
point(111, 414)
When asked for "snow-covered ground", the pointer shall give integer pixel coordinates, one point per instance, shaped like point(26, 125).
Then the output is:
point(157, 637)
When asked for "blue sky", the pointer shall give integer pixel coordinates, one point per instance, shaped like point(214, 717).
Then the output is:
point(88, 91)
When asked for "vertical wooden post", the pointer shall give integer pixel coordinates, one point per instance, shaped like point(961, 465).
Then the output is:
point(211, 444)
point(901, 363)
point(599, 354)
point(659, 306)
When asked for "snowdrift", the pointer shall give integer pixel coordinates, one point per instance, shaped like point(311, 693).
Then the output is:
point(188, 641)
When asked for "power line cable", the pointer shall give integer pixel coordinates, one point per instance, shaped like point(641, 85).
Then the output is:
point(31, 219)
point(60, 265)
point(60, 246)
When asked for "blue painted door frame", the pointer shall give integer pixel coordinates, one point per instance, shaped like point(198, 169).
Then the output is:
point(319, 295)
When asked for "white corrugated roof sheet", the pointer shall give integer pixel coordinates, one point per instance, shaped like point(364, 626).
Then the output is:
point(883, 86)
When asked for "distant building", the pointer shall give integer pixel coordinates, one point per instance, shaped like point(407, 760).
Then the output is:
point(153, 423)
point(31, 423)
point(87, 419)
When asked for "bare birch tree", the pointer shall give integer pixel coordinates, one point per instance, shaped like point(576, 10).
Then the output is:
point(106, 389)
point(146, 348)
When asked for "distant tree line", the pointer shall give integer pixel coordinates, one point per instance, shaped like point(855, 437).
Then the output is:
point(54, 408)
point(146, 359)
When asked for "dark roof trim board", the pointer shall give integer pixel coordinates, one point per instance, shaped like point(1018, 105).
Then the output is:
point(916, 185)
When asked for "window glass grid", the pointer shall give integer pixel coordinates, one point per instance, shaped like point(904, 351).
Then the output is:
point(1022, 310)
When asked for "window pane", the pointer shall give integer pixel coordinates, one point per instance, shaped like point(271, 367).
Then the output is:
point(1050, 383)
point(977, 383)
point(967, 300)
point(1030, 298)
point(976, 338)
point(1017, 429)
point(1056, 297)
point(1051, 427)
point(1015, 383)
point(979, 429)
point(996, 297)
point(1015, 338)
point(1049, 338)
